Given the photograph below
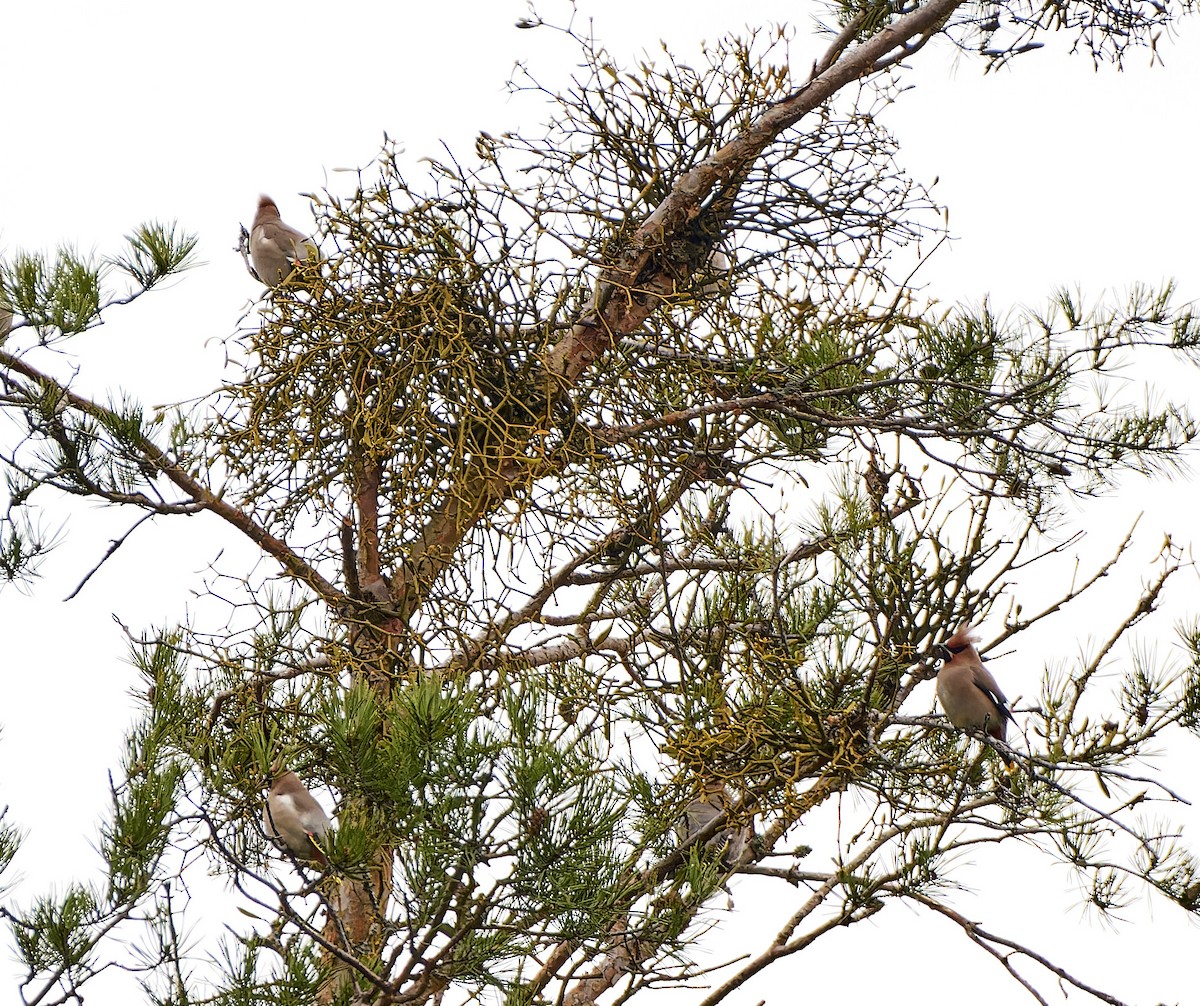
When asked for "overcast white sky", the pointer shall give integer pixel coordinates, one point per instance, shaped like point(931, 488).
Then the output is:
point(116, 113)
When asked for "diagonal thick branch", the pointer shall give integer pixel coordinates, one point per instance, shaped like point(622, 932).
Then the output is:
point(633, 288)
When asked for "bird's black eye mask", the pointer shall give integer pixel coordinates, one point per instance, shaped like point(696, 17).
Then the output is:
point(945, 653)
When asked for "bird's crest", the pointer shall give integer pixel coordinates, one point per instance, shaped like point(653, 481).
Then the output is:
point(962, 638)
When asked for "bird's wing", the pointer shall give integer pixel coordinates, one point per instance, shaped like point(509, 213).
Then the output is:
point(280, 239)
point(983, 680)
point(294, 243)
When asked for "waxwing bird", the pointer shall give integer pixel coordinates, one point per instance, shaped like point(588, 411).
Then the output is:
point(967, 691)
point(701, 812)
point(275, 248)
point(292, 816)
point(5, 319)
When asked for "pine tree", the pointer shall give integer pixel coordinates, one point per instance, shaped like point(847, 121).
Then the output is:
point(515, 445)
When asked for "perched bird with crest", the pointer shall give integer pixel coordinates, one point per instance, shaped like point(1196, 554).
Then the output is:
point(276, 248)
point(292, 816)
point(701, 812)
point(967, 691)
